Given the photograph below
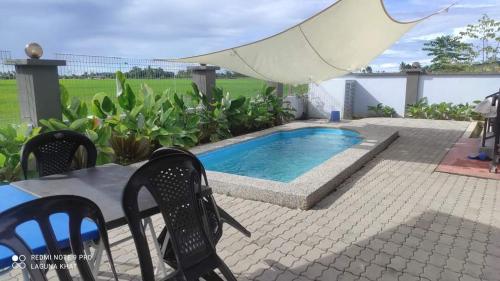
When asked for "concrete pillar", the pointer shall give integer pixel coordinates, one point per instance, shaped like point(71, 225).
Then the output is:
point(350, 86)
point(204, 77)
point(38, 88)
point(412, 82)
point(277, 86)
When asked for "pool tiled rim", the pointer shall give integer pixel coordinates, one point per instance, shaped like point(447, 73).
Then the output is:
point(311, 187)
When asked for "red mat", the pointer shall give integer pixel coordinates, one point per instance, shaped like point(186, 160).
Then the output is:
point(456, 161)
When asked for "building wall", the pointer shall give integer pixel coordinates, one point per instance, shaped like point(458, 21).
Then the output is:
point(390, 89)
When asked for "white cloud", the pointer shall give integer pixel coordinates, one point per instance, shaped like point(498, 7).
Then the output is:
point(385, 66)
point(474, 6)
point(391, 52)
point(425, 37)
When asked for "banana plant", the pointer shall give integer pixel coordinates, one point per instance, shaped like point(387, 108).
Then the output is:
point(76, 118)
point(214, 124)
point(280, 113)
point(418, 110)
point(143, 121)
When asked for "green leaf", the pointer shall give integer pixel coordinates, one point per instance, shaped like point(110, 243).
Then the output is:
point(135, 111)
point(96, 108)
point(217, 94)
point(149, 99)
point(120, 83)
point(58, 124)
point(108, 106)
point(78, 124)
point(75, 104)
point(195, 88)
point(179, 102)
point(92, 135)
point(165, 141)
point(83, 110)
point(106, 149)
point(54, 124)
point(3, 158)
point(64, 95)
point(193, 121)
point(140, 121)
point(47, 124)
point(35, 131)
point(165, 115)
point(268, 90)
point(237, 103)
point(127, 99)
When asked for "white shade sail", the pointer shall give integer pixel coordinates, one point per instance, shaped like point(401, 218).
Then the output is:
point(340, 39)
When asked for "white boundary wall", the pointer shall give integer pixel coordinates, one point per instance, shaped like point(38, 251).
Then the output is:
point(457, 88)
point(390, 89)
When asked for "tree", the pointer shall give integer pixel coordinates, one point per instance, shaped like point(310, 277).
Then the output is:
point(486, 31)
point(449, 52)
point(404, 66)
point(368, 69)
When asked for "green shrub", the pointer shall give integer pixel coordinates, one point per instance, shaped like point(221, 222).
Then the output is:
point(442, 111)
point(128, 127)
point(382, 110)
point(12, 139)
point(143, 121)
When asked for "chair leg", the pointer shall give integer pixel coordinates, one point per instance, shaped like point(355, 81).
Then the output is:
point(227, 218)
point(26, 275)
point(96, 260)
point(159, 253)
point(211, 276)
point(224, 269)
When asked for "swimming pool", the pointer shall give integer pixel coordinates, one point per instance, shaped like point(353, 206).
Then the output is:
point(281, 156)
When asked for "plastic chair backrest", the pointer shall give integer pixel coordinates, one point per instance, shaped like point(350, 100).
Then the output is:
point(55, 151)
point(39, 210)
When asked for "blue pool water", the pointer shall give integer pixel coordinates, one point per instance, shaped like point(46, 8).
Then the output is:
point(280, 156)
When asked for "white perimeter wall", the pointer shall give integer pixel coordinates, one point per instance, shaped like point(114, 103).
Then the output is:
point(457, 89)
point(369, 90)
point(390, 89)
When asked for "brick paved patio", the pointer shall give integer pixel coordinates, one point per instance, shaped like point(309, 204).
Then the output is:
point(395, 219)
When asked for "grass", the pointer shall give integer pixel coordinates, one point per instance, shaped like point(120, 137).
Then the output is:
point(86, 89)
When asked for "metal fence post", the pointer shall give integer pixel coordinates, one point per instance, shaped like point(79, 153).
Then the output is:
point(277, 86)
point(204, 77)
point(38, 88)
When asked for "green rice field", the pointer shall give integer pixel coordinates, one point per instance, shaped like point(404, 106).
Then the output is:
point(87, 88)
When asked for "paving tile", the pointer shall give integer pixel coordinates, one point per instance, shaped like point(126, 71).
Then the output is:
point(431, 272)
point(330, 274)
point(314, 271)
point(394, 219)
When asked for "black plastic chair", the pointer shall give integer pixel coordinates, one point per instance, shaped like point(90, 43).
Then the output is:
point(216, 215)
point(492, 125)
point(174, 183)
point(55, 152)
point(40, 210)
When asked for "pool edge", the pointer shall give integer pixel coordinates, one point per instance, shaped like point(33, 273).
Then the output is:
point(309, 188)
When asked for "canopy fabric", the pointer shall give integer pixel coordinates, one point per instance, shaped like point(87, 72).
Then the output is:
point(340, 39)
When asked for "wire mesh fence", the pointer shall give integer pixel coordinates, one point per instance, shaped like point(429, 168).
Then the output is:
point(84, 76)
point(9, 106)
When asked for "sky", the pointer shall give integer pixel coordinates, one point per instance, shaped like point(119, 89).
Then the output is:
point(179, 28)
